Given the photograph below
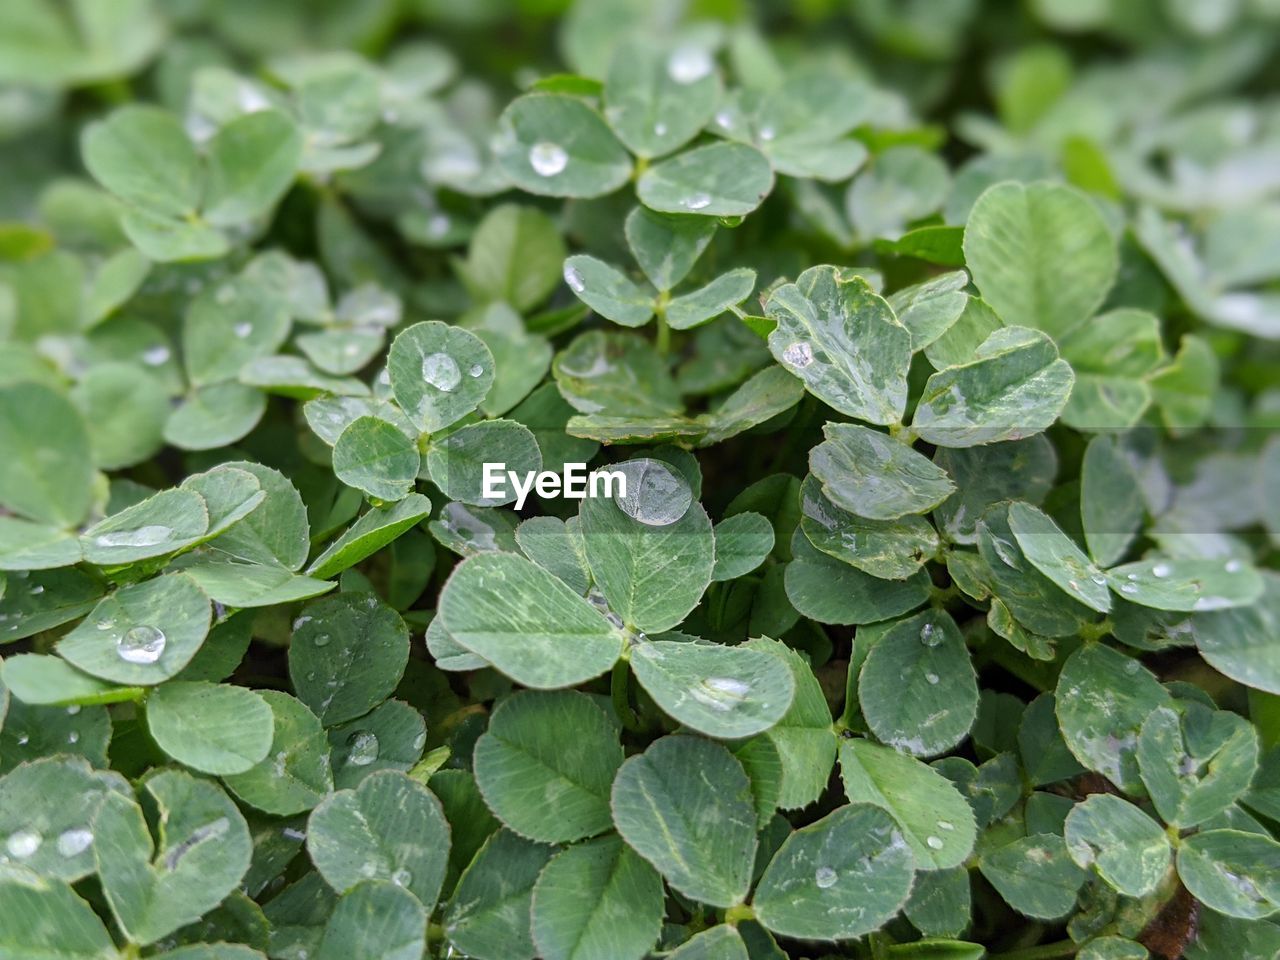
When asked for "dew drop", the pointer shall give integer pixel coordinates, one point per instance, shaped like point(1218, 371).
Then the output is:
point(696, 201)
point(23, 843)
point(73, 842)
point(154, 356)
point(659, 129)
point(37, 590)
point(724, 120)
point(23, 739)
point(574, 279)
point(364, 748)
point(1161, 570)
point(798, 354)
point(824, 877)
point(73, 737)
point(141, 644)
point(1128, 589)
point(243, 329)
point(654, 496)
point(322, 639)
point(441, 371)
point(1233, 566)
point(935, 843)
point(73, 710)
point(547, 159)
point(147, 536)
point(720, 693)
point(767, 133)
point(930, 636)
point(688, 64)
point(402, 877)
point(932, 678)
point(946, 825)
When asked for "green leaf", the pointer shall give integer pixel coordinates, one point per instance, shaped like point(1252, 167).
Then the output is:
point(1232, 872)
point(140, 406)
point(295, 775)
point(1113, 948)
point(213, 728)
point(1240, 642)
point(843, 342)
point(457, 462)
point(515, 256)
point(724, 692)
point(53, 840)
point(389, 828)
point(657, 98)
point(721, 942)
point(1055, 555)
point(1103, 697)
point(556, 546)
point(1035, 875)
point(743, 542)
point(838, 878)
point(558, 146)
point(372, 455)
point(46, 474)
point(142, 155)
point(215, 416)
point(1044, 753)
point(1195, 762)
point(902, 184)
point(169, 521)
point(253, 584)
point(526, 622)
point(651, 552)
point(1111, 503)
point(892, 549)
point(369, 534)
point(1017, 470)
point(252, 162)
point(666, 246)
point(389, 737)
point(917, 689)
point(935, 819)
point(1177, 584)
point(202, 855)
point(375, 920)
point(830, 591)
point(39, 679)
point(1041, 254)
point(1128, 849)
point(608, 292)
point(45, 918)
point(718, 180)
point(930, 308)
point(1015, 386)
point(439, 373)
point(685, 806)
point(346, 656)
point(805, 740)
point(141, 634)
point(708, 302)
point(539, 784)
point(489, 915)
point(765, 395)
point(32, 546)
point(874, 475)
point(617, 374)
point(597, 899)
point(227, 326)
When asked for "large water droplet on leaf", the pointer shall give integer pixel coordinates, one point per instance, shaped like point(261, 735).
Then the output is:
point(73, 842)
point(364, 748)
point(696, 201)
point(441, 371)
point(23, 843)
point(798, 354)
point(141, 644)
point(574, 279)
point(548, 159)
point(825, 877)
point(720, 693)
point(655, 495)
point(689, 64)
point(147, 536)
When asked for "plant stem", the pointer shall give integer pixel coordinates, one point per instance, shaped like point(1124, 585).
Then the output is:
point(1044, 951)
point(664, 332)
point(619, 682)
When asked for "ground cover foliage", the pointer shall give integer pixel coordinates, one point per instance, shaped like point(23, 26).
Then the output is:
point(936, 341)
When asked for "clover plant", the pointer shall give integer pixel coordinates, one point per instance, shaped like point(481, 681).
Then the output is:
point(931, 349)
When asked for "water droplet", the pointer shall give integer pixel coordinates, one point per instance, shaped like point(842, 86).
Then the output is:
point(574, 279)
point(148, 536)
point(441, 371)
point(23, 739)
point(1099, 579)
point(724, 119)
point(946, 825)
point(1128, 588)
point(141, 644)
point(930, 636)
point(824, 877)
point(720, 693)
point(402, 877)
point(439, 225)
point(935, 843)
point(767, 133)
point(798, 354)
point(243, 329)
point(23, 843)
point(73, 842)
point(476, 370)
point(1233, 566)
point(73, 737)
point(1161, 570)
point(547, 159)
point(932, 678)
point(322, 639)
point(696, 201)
point(654, 496)
point(37, 590)
point(364, 748)
point(154, 356)
point(689, 64)
point(73, 710)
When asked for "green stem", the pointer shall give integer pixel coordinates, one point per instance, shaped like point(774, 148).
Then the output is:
point(1044, 951)
point(664, 332)
point(619, 682)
